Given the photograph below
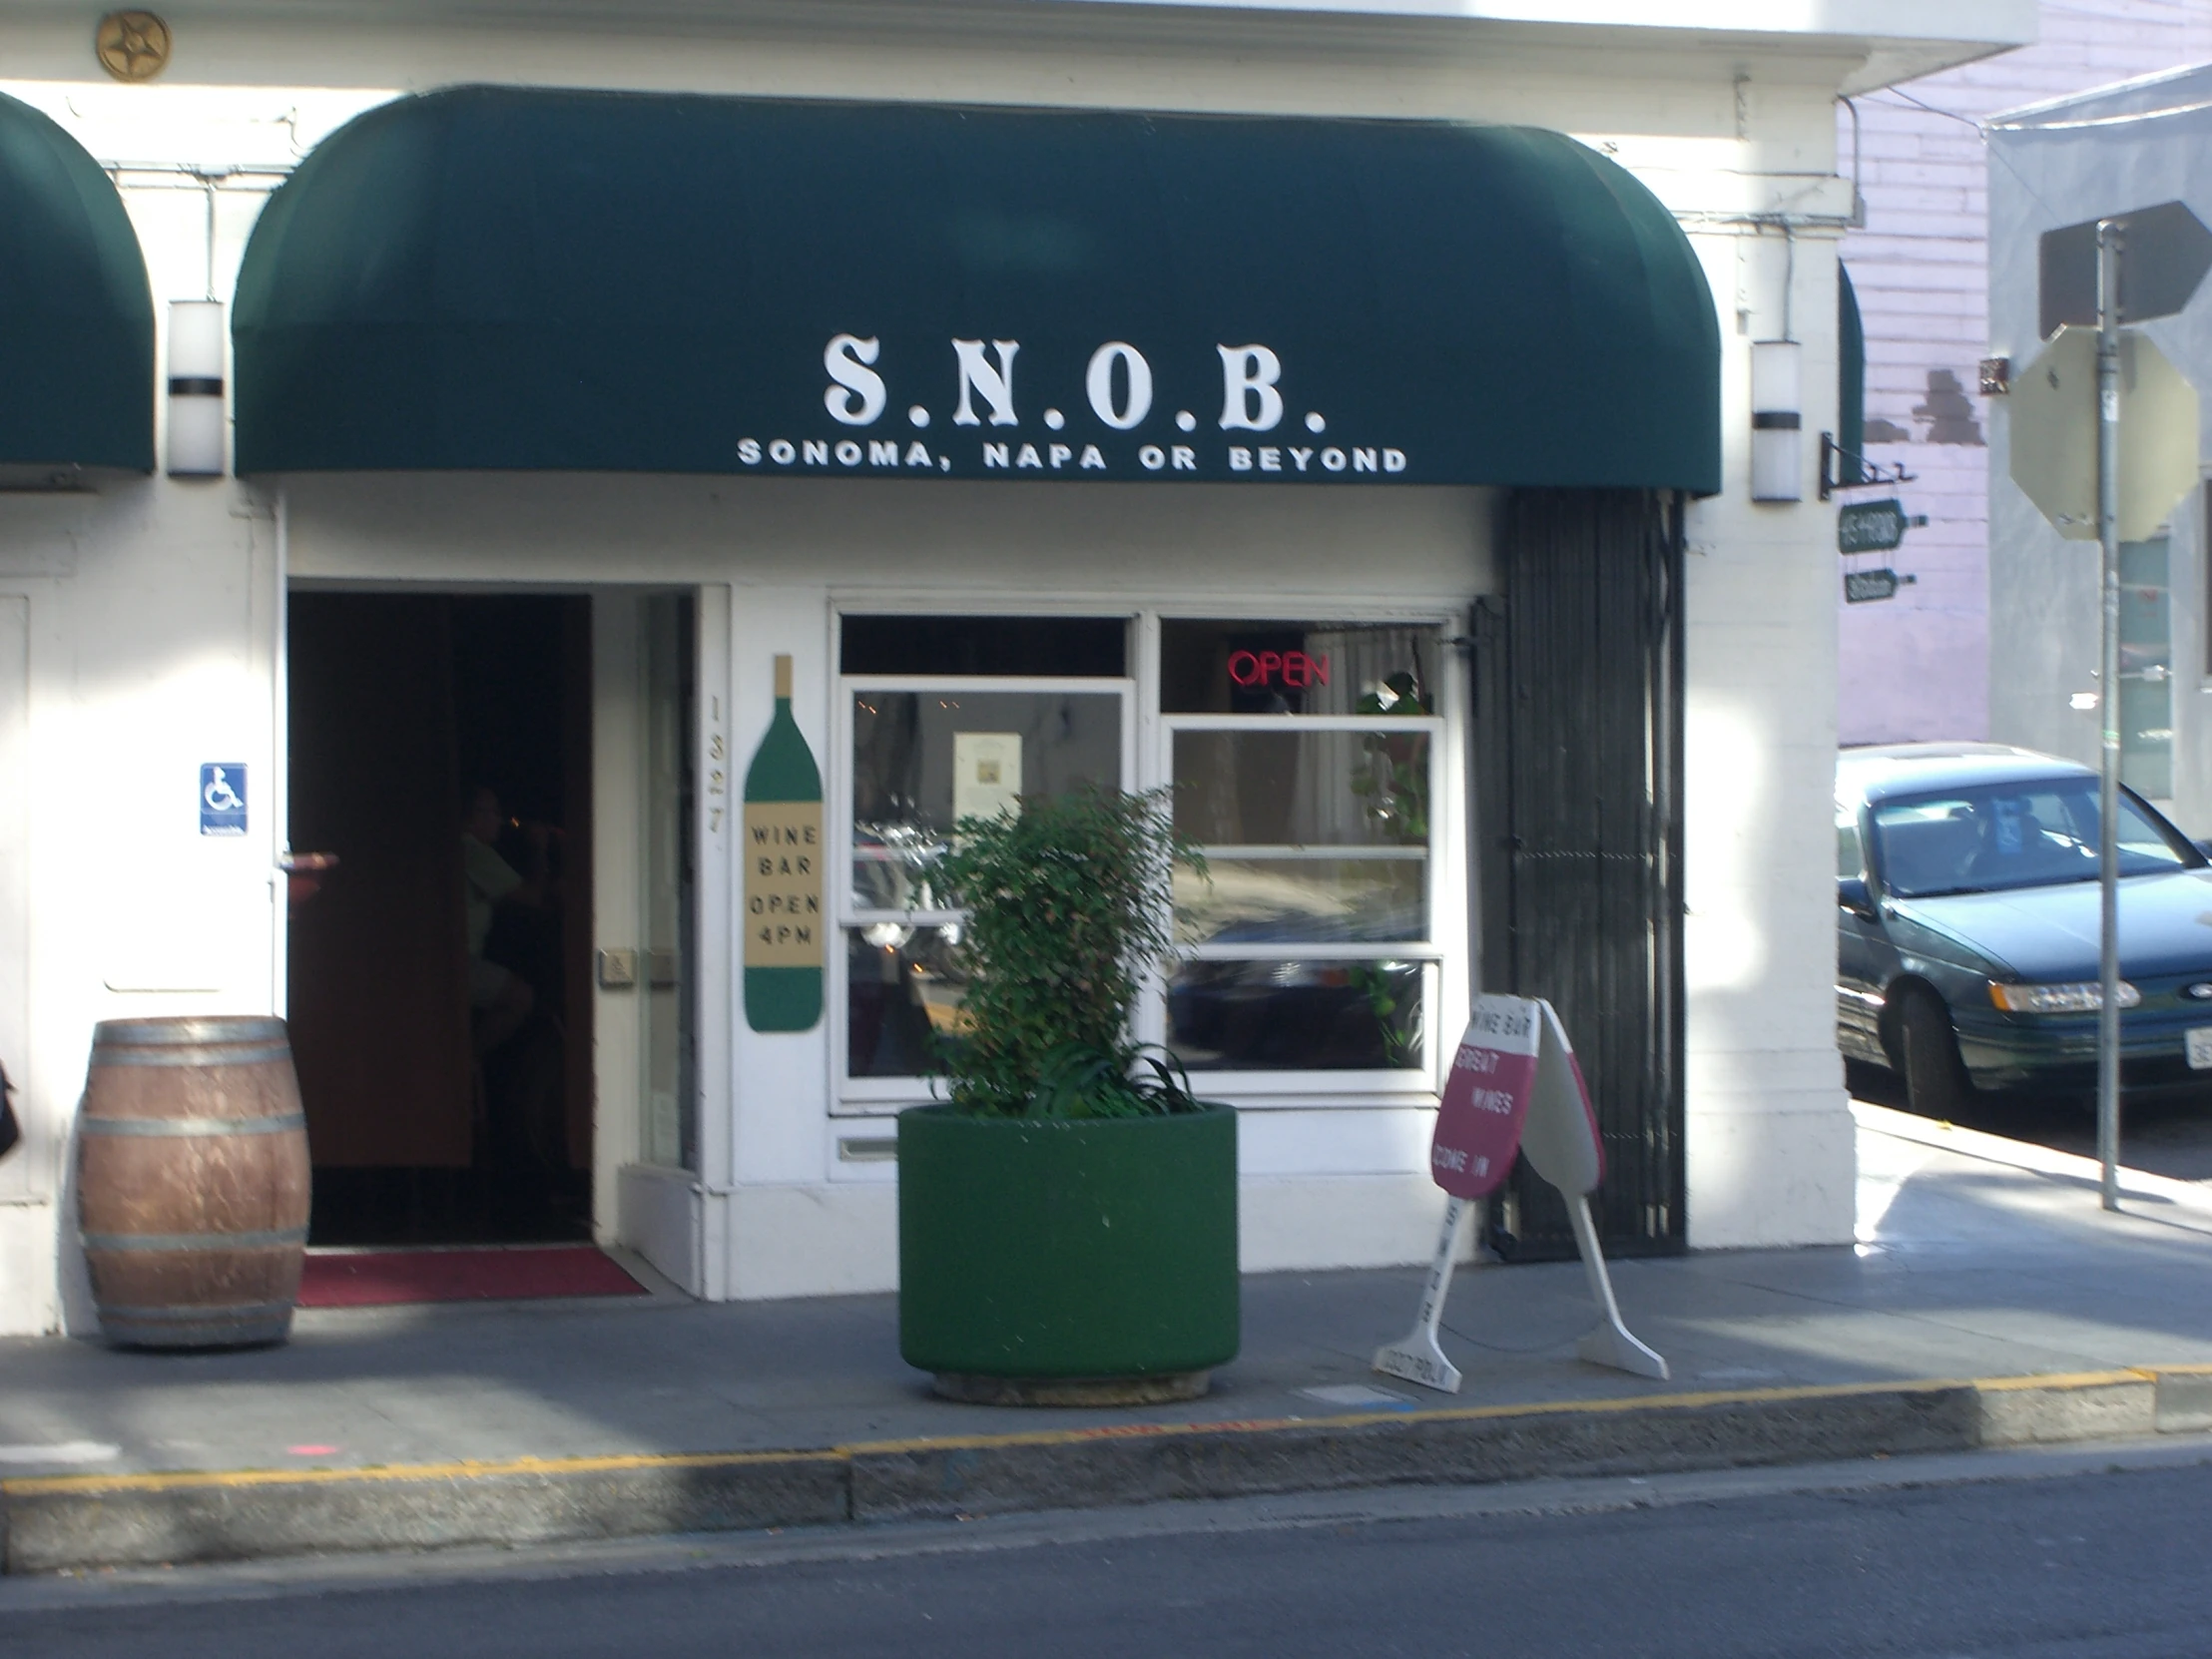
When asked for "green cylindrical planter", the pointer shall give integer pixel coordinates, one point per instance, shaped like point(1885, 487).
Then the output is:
point(1056, 1250)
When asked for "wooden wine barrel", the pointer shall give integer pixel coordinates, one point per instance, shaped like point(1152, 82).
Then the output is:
point(193, 1180)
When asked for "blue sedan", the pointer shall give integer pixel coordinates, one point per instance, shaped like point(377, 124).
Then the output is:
point(1967, 925)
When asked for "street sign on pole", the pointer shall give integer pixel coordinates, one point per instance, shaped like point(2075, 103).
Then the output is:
point(2069, 413)
point(1870, 526)
point(2168, 252)
point(2054, 420)
point(2110, 241)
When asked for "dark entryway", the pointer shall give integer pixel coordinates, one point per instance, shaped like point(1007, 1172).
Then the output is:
point(440, 984)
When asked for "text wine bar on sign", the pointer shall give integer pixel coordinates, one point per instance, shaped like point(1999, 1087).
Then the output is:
point(783, 901)
point(781, 836)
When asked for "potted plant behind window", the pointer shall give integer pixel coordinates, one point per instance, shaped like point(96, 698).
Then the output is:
point(1067, 1215)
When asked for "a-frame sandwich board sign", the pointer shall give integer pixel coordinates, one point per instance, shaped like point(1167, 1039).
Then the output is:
point(1514, 1086)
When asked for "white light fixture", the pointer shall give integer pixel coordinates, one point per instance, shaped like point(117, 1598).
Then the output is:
point(1776, 467)
point(196, 404)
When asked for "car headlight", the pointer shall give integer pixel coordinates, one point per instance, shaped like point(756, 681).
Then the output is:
point(2083, 997)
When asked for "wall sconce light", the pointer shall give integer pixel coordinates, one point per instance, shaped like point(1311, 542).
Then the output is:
point(1776, 414)
point(196, 404)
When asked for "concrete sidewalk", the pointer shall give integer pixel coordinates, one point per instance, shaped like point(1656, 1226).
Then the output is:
point(1981, 1259)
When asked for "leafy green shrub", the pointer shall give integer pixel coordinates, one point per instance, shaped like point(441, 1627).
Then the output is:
point(1069, 906)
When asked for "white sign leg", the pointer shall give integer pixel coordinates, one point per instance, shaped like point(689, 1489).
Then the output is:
point(1418, 1358)
point(1610, 1344)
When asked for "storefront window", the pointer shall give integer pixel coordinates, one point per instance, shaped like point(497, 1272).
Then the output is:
point(1303, 760)
point(924, 759)
point(1315, 836)
point(949, 718)
point(973, 647)
point(1294, 668)
point(1302, 1015)
point(903, 992)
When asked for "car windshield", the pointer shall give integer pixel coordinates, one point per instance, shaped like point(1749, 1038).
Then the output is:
point(2019, 834)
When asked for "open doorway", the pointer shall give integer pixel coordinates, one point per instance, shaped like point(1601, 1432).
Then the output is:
point(440, 982)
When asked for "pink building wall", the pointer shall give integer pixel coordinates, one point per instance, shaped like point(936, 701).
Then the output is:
point(1918, 665)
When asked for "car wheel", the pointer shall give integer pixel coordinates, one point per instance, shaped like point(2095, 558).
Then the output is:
point(1935, 1081)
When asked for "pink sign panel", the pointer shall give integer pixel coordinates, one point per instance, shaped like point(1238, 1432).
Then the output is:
point(1485, 1102)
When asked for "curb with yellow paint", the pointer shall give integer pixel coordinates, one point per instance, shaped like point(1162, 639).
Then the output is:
point(62, 1522)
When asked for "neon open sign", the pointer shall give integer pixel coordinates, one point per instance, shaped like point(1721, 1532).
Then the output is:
point(1294, 669)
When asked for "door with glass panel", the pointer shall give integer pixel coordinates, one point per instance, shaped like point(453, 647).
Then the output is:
point(645, 862)
point(942, 718)
point(668, 1089)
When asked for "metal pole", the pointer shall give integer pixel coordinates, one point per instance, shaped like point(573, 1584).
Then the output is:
point(2109, 706)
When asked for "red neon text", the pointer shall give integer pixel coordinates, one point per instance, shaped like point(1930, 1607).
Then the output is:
point(1278, 668)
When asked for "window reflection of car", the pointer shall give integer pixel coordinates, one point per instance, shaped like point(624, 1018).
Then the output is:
point(1968, 926)
point(1304, 1010)
point(890, 866)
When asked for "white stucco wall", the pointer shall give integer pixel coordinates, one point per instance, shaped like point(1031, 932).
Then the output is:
point(150, 606)
point(1770, 1157)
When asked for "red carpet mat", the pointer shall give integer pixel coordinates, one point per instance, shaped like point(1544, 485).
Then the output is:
point(380, 1278)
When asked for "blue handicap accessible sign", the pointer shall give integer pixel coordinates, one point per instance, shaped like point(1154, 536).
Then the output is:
point(222, 798)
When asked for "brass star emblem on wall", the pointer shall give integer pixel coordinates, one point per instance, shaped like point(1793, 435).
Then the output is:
point(132, 46)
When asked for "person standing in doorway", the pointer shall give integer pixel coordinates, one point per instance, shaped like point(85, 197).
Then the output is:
point(500, 1000)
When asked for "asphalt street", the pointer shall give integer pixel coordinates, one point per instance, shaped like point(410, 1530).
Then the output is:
point(2107, 1564)
point(2169, 1136)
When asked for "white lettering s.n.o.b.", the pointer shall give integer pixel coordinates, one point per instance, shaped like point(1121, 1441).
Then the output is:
point(995, 385)
point(1098, 384)
point(859, 395)
point(1249, 399)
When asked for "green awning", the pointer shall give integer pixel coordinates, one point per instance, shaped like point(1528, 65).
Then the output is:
point(76, 315)
point(500, 277)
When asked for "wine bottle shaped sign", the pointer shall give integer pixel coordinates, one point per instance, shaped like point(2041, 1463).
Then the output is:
point(782, 874)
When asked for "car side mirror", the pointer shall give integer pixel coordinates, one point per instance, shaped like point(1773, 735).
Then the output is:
point(1852, 894)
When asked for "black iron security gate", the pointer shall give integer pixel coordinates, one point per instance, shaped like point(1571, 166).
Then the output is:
point(1578, 835)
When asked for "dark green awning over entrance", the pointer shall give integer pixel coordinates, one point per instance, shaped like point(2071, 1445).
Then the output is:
point(498, 277)
point(76, 315)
